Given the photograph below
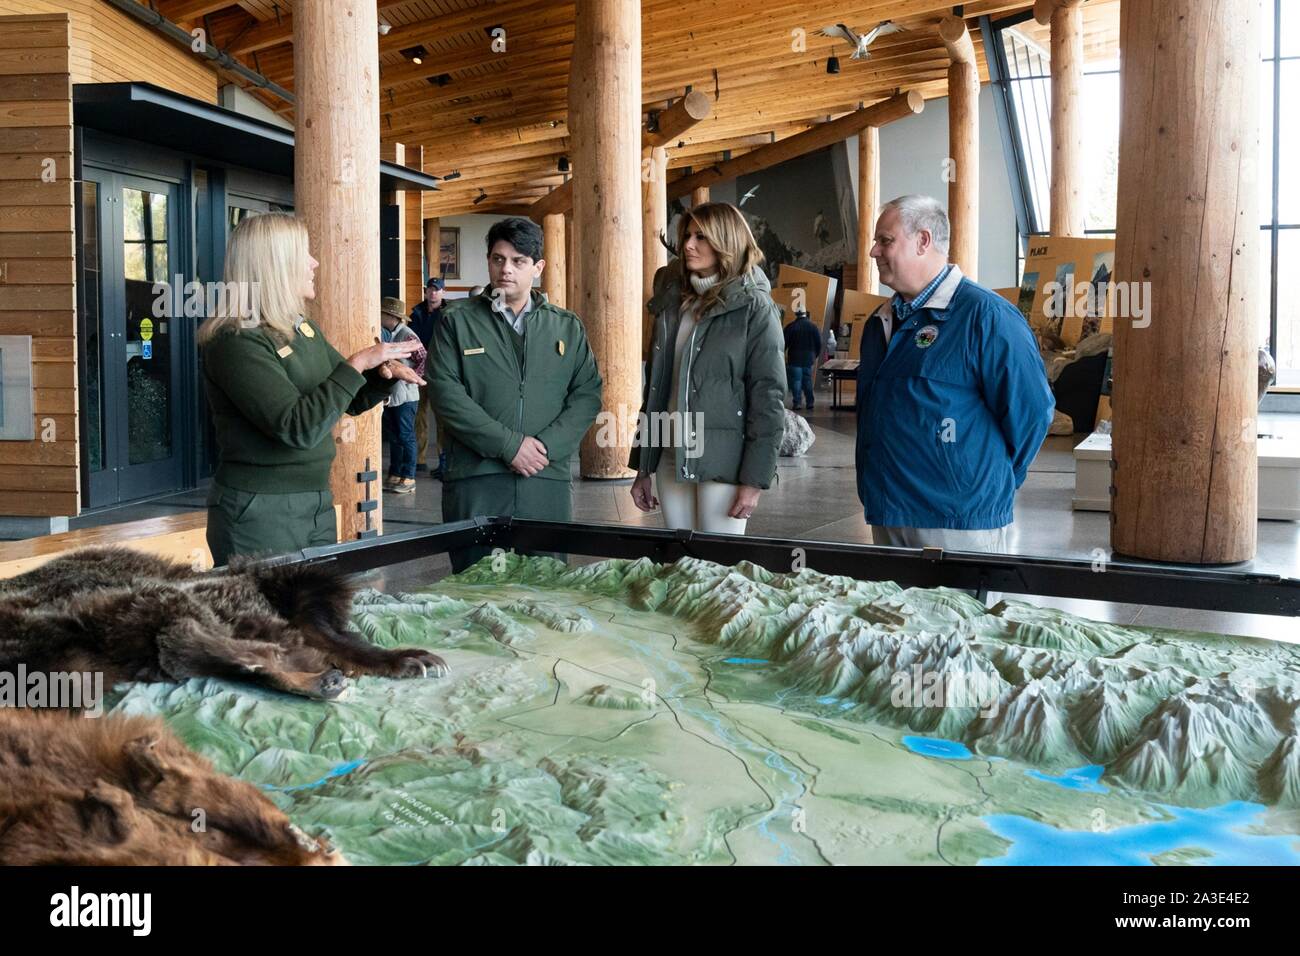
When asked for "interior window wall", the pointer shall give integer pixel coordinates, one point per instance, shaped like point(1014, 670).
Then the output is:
point(1027, 91)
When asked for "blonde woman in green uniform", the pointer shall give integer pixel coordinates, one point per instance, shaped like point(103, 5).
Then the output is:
point(276, 388)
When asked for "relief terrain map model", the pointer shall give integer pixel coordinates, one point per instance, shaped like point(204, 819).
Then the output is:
point(627, 712)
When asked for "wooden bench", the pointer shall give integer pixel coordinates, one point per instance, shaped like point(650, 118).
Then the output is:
point(180, 537)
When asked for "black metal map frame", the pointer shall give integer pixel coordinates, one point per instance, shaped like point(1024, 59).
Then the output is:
point(1117, 581)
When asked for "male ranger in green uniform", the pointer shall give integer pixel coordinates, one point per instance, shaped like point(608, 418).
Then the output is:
point(515, 386)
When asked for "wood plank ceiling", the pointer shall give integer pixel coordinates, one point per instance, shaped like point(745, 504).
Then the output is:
point(497, 117)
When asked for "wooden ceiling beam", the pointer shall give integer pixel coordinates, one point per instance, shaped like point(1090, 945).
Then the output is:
point(272, 33)
point(186, 11)
point(894, 108)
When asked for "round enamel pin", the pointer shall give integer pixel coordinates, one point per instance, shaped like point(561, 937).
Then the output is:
point(926, 336)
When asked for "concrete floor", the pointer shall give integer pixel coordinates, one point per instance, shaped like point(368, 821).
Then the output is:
point(815, 499)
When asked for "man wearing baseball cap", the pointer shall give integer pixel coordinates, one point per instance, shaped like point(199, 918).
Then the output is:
point(399, 409)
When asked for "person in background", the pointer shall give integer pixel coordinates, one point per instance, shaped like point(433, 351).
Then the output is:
point(715, 374)
point(424, 319)
point(400, 408)
point(277, 388)
point(515, 386)
point(952, 402)
point(803, 346)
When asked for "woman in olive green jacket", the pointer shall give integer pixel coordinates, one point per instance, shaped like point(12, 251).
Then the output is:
point(277, 388)
point(714, 406)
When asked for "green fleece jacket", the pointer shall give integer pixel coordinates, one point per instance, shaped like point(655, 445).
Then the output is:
point(491, 387)
point(275, 405)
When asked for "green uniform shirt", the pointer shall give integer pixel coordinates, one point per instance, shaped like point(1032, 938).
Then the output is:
point(491, 387)
point(274, 407)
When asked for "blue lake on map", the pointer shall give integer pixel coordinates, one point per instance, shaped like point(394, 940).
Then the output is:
point(1080, 778)
point(1220, 831)
point(937, 747)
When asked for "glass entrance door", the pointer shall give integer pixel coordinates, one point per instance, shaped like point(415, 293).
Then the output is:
point(134, 352)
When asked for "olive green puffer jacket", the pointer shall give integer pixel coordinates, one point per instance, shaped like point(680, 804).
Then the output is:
point(734, 383)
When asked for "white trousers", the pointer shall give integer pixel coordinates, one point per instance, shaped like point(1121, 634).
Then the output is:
point(698, 506)
point(992, 541)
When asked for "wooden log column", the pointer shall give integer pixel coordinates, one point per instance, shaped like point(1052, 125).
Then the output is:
point(336, 192)
point(963, 146)
point(554, 280)
point(1185, 402)
point(432, 247)
point(1069, 210)
point(654, 221)
point(605, 130)
point(868, 204)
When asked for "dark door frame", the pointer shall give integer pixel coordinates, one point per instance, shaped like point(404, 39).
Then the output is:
point(119, 481)
point(113, 163)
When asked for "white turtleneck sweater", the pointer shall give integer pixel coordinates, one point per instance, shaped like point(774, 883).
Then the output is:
point(689, 319)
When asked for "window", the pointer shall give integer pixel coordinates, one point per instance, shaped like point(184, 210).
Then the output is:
point(1279, 200)
point(1021, 50)
point(1026, 69)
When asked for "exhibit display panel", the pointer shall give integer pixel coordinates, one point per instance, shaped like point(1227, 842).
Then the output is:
point(628, 711)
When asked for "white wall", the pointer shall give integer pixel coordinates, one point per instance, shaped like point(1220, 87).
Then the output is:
point(473, 249)
point(912, 152)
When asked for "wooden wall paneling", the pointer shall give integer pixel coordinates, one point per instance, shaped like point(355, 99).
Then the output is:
point(414, 211)
point(107, 46)
point(37, 266)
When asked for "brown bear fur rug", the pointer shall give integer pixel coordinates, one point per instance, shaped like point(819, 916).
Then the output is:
point(123, 790)
point(136, 617)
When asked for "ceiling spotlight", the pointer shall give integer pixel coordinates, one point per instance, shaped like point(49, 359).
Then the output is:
point(564, 164)
point(832, 65)
point(384, 27)
point(479, 198)
point(477, 120)
point(415, 54)
point(454, 174)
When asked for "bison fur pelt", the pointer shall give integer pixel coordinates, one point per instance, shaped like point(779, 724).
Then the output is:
point(137, 617)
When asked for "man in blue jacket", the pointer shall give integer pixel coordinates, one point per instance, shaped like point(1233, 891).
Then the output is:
point(803, 346)
point(953, 401)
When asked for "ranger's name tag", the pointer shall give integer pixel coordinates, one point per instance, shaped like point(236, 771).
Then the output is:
point(475, 351)
point(284, 352)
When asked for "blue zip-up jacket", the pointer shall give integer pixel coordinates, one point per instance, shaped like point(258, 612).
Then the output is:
point(952, 407)
point(803, 343)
